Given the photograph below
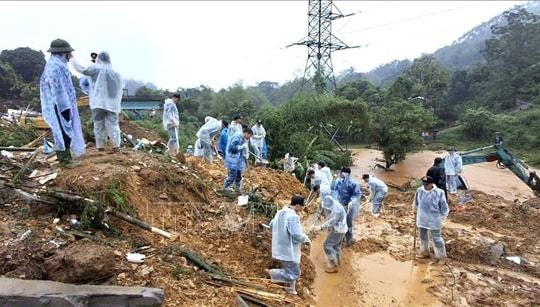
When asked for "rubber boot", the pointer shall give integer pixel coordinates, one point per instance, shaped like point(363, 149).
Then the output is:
point(60, 157)
point(66, 160)
point(291, 289)
point(331, 267)
point(423, 254)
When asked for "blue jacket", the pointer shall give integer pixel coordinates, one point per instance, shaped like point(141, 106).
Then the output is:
point(347, 190)
point(236, 155)
point(223, 137)
point(265, 150)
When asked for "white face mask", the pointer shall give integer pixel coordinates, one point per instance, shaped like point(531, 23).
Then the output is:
point(345, 175)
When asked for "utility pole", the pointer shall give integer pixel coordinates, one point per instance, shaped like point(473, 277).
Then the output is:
point(321, 42)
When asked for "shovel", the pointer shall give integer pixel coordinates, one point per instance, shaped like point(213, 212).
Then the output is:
point(244, 199)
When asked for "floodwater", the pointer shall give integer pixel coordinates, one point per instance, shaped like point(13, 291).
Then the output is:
point(379, 279)
point(373, 280)
point(485, 177)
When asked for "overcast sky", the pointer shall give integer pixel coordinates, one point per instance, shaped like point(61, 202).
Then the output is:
point(218, 43)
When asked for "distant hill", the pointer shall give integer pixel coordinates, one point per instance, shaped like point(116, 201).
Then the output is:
point(462, 54)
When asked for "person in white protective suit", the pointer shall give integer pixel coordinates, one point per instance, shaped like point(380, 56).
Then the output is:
point(431, 210)
point(198, 150)
point(257, 140)
point(289, 163)
point(318, 178)
point(336, 224)
point(453, 166)
point(377, 192)
point(206, 134)
point(105, 98)
point(171, 120)
point(235, 127)
point(326, 171)
point(287, 239)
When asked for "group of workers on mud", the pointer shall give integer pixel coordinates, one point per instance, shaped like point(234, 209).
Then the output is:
point(339, 197)
point(340, 203)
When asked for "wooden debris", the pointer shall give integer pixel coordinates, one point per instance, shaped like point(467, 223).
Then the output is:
point(28, 149)
point(17, 177)
point(264, 295)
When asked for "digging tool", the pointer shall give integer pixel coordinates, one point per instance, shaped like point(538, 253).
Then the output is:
point(262, 161)
point(414, 242)
point(305, 177)
point(309, 198)
point(244, 198)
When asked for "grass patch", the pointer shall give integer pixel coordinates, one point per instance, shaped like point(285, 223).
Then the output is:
point(119, 197)
point(18, 136)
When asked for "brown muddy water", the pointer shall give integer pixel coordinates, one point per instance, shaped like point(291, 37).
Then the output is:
point(378, 279)
point(485, 177)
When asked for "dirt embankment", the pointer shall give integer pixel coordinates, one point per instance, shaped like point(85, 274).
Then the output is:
point(177, 198)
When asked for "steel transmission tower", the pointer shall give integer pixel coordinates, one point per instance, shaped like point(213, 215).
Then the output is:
point(321, 42)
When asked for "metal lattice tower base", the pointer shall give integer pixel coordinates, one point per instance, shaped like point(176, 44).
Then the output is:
point(321, 42)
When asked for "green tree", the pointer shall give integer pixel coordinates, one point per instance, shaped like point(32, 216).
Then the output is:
point(362, 89)
point(9, 80)
point(477, 122)
point(28, 63)
point(512, 56)
point(431, 81)
point(397, 128)
point(145, 91)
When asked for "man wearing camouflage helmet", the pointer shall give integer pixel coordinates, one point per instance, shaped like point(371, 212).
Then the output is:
point(59, 103)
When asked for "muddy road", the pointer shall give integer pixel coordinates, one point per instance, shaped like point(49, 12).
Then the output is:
point(379, 271)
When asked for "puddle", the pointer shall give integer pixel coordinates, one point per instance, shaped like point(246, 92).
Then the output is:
point(373, 280)
point(388, 282)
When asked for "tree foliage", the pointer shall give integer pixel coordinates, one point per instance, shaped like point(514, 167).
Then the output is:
point(28, 63)
point(397, 128)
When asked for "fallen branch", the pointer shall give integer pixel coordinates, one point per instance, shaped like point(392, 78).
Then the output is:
point(139, 223)
point(190, 256)
point(112, 211)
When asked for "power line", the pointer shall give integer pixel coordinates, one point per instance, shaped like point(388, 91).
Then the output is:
point(411, 19)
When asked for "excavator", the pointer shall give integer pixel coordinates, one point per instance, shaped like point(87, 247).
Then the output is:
point(504, 160)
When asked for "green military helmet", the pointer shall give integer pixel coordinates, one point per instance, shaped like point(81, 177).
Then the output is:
point(60, 45)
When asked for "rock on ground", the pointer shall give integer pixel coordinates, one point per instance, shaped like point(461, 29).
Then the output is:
point(81, 264)
point(34, 293)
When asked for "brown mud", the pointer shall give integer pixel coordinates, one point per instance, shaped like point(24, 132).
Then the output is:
point(380, 269)
point(184, 198)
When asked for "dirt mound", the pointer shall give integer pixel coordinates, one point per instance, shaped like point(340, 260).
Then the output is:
point(533, 203)
point(497, 214)
point(138, 132)
point(370, 245)
point(272, 184)
point(177, 198)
